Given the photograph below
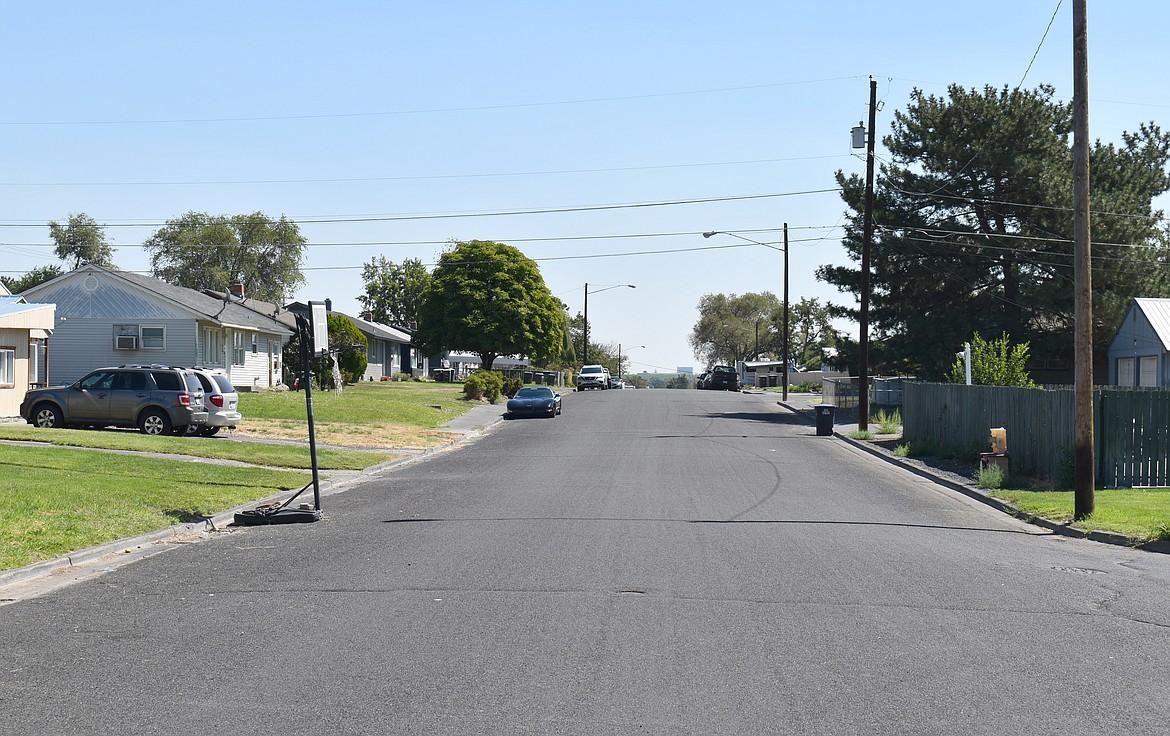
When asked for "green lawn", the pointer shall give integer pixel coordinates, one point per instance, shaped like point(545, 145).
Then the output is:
point(1143, 514)
point(425, 405)
point(57, 500)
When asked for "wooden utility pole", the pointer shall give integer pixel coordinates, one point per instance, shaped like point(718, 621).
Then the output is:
point(1084, 468)
point(867, 241)
point(785, 396)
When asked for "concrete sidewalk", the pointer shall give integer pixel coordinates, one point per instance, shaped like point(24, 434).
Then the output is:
point(40, 577)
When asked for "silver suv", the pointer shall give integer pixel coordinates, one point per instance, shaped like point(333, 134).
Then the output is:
point(157, 399)
point(593, 376)
point(221, 401)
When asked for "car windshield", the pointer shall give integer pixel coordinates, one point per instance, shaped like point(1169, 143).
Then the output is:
point(592, 370)
point(534, 392)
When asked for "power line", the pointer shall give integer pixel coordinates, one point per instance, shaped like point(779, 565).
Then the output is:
point(420, 177)
point(495, 213)
point(422, 111)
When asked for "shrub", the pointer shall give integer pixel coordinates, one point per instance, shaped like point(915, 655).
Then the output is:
point(889, 423)
point(512, 385)
point(861, 434)
point(989, 477)
point(902, 450)
point(483, 385)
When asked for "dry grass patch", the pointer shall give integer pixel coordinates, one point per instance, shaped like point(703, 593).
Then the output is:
point(387, 435)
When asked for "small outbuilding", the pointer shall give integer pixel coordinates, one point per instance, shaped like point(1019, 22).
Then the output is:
point(1139, 354)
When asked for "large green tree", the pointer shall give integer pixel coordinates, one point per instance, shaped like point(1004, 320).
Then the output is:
point(489, 299)
point(81, 240)
point(393, 292)
point(810, 331)
point(35, 277)
point(734, 328)
point(973, 227)
point(202, 251)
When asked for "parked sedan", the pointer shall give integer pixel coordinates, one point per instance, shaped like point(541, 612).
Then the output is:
point(534, 401)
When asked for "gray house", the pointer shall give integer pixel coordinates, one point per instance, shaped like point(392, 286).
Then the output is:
point(388, 350)
point(1139, 354)
point(108, 317)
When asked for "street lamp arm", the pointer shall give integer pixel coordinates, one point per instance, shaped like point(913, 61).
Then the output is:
point(607, 288)
point(711, 233)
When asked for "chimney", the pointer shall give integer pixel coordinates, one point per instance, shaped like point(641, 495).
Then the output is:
point(238, 291)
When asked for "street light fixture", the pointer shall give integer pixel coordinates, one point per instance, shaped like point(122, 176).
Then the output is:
point(585, 330)
point(709, 233)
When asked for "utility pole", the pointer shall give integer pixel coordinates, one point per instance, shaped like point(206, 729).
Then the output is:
point(867, 242)
point(1084, 475)
point(585, 329)
point(785, 394)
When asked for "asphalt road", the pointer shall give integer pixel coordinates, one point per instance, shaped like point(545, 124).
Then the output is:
point(669, 562)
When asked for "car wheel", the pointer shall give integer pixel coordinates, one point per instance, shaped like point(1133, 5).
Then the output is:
point(47, 416)
point(154, 422)
point(208, 431)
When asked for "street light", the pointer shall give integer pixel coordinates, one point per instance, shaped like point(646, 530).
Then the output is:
point(709, 233)
point(620, 357)
point(585, 331)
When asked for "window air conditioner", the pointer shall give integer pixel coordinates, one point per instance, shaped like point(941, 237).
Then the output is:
point(126, 342)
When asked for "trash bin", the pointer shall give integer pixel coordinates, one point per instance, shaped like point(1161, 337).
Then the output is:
point(825, 420)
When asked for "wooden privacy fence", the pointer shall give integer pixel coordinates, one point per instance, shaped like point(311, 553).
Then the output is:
point(1132, 428)
point(1132, 436)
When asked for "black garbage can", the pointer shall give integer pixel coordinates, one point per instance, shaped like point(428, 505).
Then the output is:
point(825, 420)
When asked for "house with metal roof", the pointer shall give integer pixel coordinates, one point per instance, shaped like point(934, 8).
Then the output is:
point(1139, 354)
point(388, 349)
point(108, 317)
point(24, 328)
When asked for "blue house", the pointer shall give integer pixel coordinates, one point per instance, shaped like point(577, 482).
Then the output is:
point(1139, 354)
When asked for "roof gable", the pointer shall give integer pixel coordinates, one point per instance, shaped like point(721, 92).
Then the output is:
point(1157, 313)
point(94, 292)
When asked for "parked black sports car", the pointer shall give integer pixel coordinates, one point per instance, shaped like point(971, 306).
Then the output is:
point(534, 401)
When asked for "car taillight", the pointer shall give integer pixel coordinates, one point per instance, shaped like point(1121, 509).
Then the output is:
point(217, 399)
point(185, 399)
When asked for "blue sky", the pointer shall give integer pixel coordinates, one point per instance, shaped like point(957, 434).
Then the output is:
point(381, 126)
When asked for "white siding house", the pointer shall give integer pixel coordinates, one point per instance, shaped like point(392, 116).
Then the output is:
point(107, 317)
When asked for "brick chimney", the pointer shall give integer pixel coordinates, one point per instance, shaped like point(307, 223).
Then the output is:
point(238, 291)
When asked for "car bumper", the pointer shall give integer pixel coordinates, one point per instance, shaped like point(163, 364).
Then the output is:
point(224, 418)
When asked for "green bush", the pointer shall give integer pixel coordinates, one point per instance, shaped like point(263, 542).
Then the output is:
point(990, 477)
point(902, 450)
point(889, 423)
point(512, 385)
point(483, 385)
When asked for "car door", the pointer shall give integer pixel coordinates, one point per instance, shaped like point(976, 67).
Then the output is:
point(89, 398)
point(129, 393)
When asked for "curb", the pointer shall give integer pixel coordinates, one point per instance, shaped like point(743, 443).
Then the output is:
point(1120, 540)
point(223, 522)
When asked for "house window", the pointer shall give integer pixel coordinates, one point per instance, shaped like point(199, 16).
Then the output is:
point(239, 350)
point(212, 346)
point(255, 343)
point(154, 337)
point(1148, 370)
point(1125, 372)
point(7, 367)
